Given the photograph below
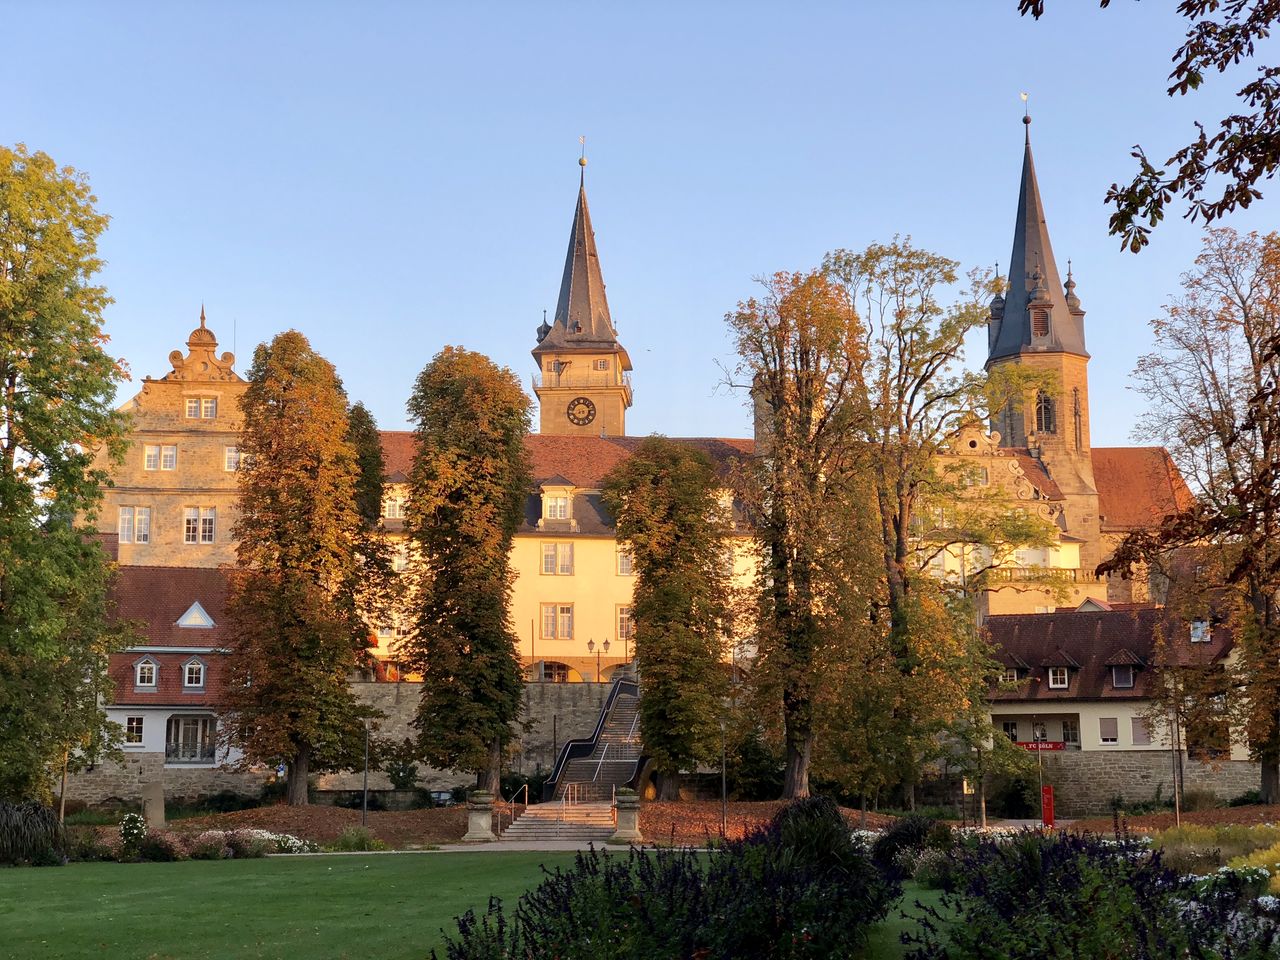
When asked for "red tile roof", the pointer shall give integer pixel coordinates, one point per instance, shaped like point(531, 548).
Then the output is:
point(583, 461)
point(169, 690)
point(156, 597)
point(1035, 470)
point(1137, 487)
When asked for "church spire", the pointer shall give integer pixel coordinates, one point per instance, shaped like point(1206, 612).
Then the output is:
point(582, 313)
point(1035, 316)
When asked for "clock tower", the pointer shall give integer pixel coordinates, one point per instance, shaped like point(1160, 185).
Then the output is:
point(583, 381)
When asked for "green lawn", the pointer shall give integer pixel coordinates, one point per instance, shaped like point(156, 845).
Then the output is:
point(321, 908)
point(383, 907)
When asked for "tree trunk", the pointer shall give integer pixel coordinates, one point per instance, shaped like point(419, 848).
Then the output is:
point(982, 803)
point(490, 778)
point(668, 785)
point(299, 769)
point(1270, 782)
point(795, 784)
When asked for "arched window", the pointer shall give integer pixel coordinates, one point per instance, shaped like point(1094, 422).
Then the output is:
point(1046, 416)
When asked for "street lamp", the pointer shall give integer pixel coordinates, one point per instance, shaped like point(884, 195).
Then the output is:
point(364, 802)
point(591, 648)
point(605, 647)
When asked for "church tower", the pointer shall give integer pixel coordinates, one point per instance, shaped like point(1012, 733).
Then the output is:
point(583, 382)
point(1039, 324)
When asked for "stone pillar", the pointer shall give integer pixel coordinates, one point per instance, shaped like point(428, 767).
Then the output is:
point(479, 818)
point(153, 805)
point(626, 812)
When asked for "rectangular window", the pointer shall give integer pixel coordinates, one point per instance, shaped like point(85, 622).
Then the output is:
point(124, 529)
point(144, 674)
point(626, 563)
point(202, 408)
point(555, 508)
point(1200, 631)
point(190, 739)
point(168, 457)
point(1010, 728)
point(626, 623)
point(194, 676)
point(230, 459)
point(557, 559)
point(1071, 731)
point(557, 621)
point(1141, 733)
point(393, 508)
point(1109, 730)
point(1009, 676)
point(199, 524)
point(400, 559)
point(151, 457)
point(142, 525)
point(133, 730)
point(600, 364)
point(193, 408)
point(1122, 677)
point(1057, 678)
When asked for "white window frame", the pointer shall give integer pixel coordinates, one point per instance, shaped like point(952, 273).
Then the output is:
point(601, 365)
point(1116, 676)
point(1071, 731)
point(187, 668)
point(1059, 678)
point(151, 456)
point(626, 562)
point(393, 508)
point(555, 506)
point(230, 459)
point(133, 730)
point(202, 408)
point(625, 620)
point(138, 667)
point(1102, 738)
point(199, 525)
point(1010, 675)
point(1200, 632)
point(559, 617)
point(124, 525)
point(557, 558)
point(169, 456)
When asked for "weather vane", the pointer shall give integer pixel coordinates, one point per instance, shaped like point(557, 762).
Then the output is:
point(582, 160)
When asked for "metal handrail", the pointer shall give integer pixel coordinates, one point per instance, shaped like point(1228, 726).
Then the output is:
point(511, 806)
point(584, 747)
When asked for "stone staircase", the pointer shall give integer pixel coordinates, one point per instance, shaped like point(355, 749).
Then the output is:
point(612, 763)
point(556, 820)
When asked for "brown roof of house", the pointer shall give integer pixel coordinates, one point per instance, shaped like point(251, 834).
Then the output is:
point(156, 597)
point(1094, 641)
point(1137, 487)
point(583, 461)
point(1035, 470)
point(169, 690)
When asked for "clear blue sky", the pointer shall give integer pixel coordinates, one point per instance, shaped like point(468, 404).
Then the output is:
point(392, 177)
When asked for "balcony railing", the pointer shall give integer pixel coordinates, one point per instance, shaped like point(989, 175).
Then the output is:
point(189, 753)
point(1042, 574)
point(583, 378)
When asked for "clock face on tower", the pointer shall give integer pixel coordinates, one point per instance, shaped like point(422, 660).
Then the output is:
point(581, 411)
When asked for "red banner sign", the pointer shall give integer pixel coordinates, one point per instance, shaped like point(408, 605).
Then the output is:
point(1042, 744)
point(1046, 806)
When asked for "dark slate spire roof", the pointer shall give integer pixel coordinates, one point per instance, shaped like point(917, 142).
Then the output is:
point(1033, 273)
point(582, 315)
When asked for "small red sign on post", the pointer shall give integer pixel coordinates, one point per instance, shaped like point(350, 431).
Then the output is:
point(1046, 806)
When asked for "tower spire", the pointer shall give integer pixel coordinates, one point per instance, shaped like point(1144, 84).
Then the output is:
point(1036, 318)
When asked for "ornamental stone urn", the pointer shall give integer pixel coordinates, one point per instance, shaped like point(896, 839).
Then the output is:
point(479, 818)
point(626, 808)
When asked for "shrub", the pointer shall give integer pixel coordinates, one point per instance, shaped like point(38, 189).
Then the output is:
point(798, 887)
point(934, 869)
point(1195, 849)
point(159, 848)
point(1267, 858)
point(1193, 800)
point(211, 845)
point(1247, 799)
point(228, 801)
point(1081, 896)
point(906, 833)
point(356, 839)
point(86, 847)
point(133, 827)
point(31, 834)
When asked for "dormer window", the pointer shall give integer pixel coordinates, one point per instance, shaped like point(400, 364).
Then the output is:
point(1122, 677)
point(144, 673)
point(196, 618)
point(1200, 631)
point(193, 675)
point(1010, 675)
point(1039, 322)
point(555, 506)
point(1058, 678)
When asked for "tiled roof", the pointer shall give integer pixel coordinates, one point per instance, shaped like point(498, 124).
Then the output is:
point(582, 461)
point(1035, 470)
point(169, 690)
point(155, 597)
point(1137, 487)
point(1095, 641)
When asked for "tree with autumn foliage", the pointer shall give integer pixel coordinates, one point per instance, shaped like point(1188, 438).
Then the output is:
point(800, 345)
point(468, 487)
point(1213, 383)
point(57, 384)
point(666, 500)
point(297, 625)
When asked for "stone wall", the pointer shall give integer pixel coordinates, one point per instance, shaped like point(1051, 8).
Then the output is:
point(1085, 781)
point(555, 712)
point(111, 783)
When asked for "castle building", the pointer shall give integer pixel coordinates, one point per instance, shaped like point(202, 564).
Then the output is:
point(173, 501)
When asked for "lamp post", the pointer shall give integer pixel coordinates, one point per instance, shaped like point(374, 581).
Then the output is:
point(591, 648)
point(724, 793)
point(364, 802)
point(605, 647)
